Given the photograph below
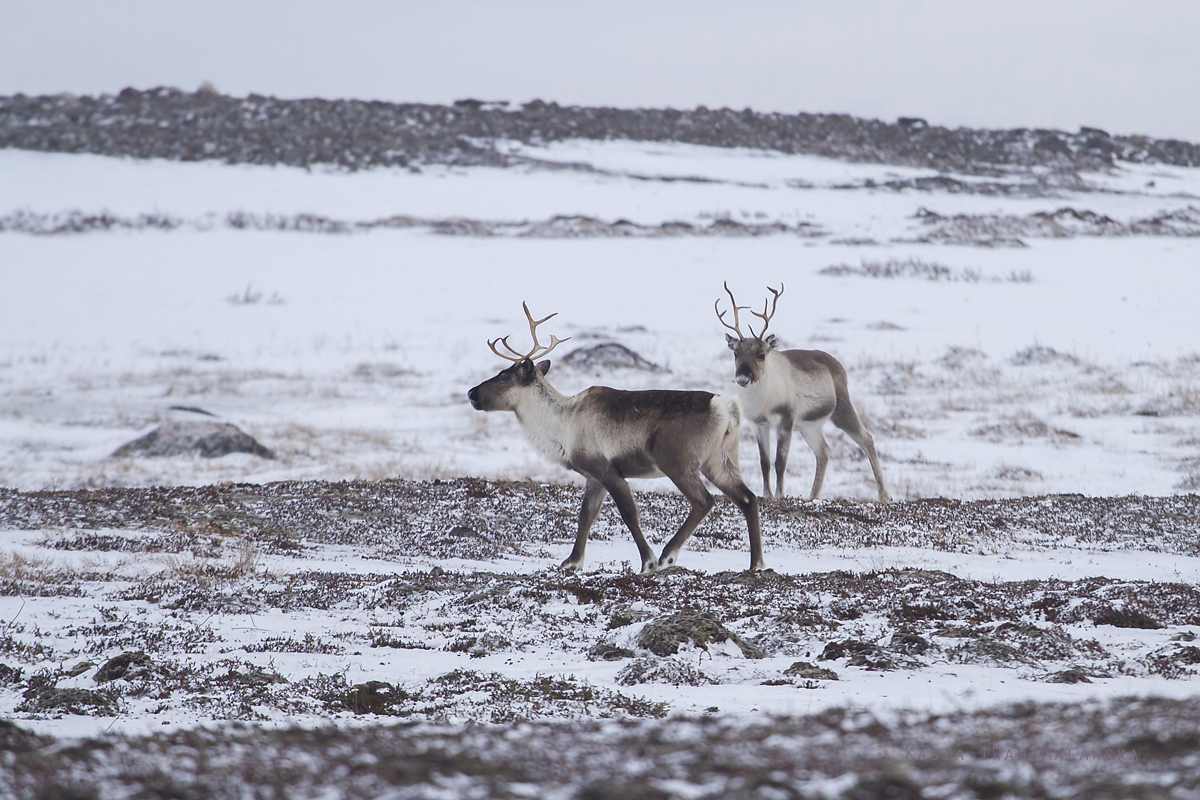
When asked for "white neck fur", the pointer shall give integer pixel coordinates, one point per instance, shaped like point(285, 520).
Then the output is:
point(547, 418)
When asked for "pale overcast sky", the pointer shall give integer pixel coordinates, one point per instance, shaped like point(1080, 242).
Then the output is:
point(1127, 67)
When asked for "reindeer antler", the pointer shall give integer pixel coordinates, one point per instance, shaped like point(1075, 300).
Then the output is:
point(736, 327)
point(765, 317)
point(538, 350)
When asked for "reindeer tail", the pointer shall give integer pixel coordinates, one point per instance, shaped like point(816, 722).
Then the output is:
point(728, 413)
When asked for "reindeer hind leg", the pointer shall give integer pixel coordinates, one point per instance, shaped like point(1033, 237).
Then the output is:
point(726, 475)
point(814, 433)
point(701, 499)
point(846, 418)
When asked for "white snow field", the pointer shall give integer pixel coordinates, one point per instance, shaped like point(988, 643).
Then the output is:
point(1021, 350)
point(356, 358)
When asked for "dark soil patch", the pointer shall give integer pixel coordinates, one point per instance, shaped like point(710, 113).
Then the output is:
point(417, 518)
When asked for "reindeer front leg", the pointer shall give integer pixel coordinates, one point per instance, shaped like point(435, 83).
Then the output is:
point(623, 497)
point(762, 431)
point(593, 498)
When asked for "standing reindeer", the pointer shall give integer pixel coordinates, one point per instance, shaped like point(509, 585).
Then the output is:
point(608, 435)
point(801, 388)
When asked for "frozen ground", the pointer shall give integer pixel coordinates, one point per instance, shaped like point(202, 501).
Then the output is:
point(316, 588)
point(1023, 349)
point(925, 641)
point(1005, 337)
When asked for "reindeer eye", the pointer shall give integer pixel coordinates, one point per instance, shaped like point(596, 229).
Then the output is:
point(762, 356)
point(504, 377)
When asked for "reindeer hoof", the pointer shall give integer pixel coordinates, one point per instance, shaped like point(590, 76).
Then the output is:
point(571, 566)
point(650, 566)
point(884, 497)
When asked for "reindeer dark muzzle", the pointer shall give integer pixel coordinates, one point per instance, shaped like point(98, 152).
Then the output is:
point(473, 396)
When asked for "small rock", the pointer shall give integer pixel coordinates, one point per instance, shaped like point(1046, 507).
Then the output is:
point(858, 654)
point(463, 532)
point(910, 643)
point(605, 651)
point(126, 665)
point(1069, 676)
point(374, 697)
point(80, 668)
point(10, 675)
point(1187, 655)
point(803, 669)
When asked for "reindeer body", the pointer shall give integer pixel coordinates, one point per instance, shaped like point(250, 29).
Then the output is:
point(608, 436)
point(794, 389)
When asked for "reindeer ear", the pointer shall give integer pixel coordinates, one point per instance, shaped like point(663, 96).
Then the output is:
point(771, 342)
point(544, 366)
point(732, 342)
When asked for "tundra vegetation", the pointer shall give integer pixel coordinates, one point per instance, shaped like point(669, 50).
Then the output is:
point(332, 608)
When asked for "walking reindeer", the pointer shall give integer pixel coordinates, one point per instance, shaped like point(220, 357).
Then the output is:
point(608, 436)
point(792, 388)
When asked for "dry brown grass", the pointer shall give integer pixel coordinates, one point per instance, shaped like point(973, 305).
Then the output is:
point(210, 573)
point(16, 566)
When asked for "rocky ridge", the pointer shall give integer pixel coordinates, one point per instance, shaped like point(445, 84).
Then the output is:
point(173, 124)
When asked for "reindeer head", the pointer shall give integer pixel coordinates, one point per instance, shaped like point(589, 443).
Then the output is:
point(503, 392)
point(749, 352)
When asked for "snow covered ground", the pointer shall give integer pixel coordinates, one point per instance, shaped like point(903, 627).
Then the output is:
point(1021, 350)
point(275, 604)
point(1068, 364)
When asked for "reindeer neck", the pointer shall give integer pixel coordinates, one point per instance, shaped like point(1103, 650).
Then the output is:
point(546, 416)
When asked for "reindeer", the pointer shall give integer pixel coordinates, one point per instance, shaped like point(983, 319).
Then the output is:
point(801, 388)
point(608, 435)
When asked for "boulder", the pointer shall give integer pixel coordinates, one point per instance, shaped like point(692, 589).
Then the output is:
point(606, 357)
point(189, 437)
point(126, 665)
point(663, 636)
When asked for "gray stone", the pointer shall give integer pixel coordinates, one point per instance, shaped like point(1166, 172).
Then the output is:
point(803, 669)
point(207, 438)
point(606, 357)
point(663, 636)
point(126, 665)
